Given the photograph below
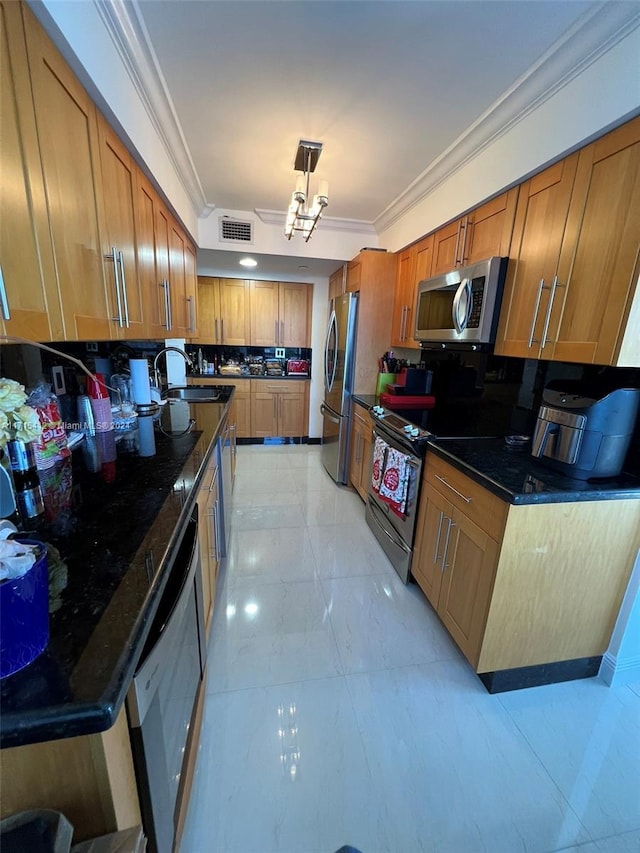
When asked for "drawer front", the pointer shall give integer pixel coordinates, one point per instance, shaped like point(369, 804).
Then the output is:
point(361, 416)
point(477, 503)
point(280, 386)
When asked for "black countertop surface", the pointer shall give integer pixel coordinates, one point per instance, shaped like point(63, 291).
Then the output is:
point(106, 534)
point(513, 475)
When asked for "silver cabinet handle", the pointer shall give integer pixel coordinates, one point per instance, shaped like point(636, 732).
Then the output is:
point(455, 254)
point(402, 322)
point(192, 314)
point(446, 544)
point(125, 298)
point(275, 409)
point(222, 330)
point(358, 447)
point(167, 310)
point(466, 228)
point(113, 257)
point(4, 302)
point(281, 333)
point(535, 312)
point(276, 332)
point(449, 486)
point(554, 286)
point(435, 550)
point(217, 339)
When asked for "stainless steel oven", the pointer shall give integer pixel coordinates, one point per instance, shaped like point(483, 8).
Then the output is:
point(391, 513)
point(163, 695)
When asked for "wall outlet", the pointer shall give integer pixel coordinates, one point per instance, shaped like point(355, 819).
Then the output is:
point(279, 352)
point(57, 380)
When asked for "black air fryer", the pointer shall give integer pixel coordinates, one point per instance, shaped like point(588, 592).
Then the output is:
point(583, 437)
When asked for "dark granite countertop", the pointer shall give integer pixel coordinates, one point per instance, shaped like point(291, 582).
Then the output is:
point(366, 400)
point(106, 533)
point(513, 475)
point(205, 378)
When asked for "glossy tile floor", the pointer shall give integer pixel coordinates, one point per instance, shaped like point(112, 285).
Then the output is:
point(338, 711)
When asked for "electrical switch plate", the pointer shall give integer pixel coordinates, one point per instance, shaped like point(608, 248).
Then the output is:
point(57, 379)
point(279, 352)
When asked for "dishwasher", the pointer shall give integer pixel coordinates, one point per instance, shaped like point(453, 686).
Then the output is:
point(164, 691)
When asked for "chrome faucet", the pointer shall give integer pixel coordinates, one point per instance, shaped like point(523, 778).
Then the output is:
point(156, 372)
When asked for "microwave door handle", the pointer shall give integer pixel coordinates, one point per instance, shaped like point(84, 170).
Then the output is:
point(461, 325)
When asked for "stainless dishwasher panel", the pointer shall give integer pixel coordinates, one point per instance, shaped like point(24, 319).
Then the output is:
point(163, 693)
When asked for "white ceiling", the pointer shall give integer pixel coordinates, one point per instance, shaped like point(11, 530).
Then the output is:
point(385, 86)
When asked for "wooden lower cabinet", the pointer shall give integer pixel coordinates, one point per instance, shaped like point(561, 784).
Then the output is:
point(209, 537)
point(521, 585)
point(90, 779)
point(361, 450)
point(279, 408)
point(240, 413)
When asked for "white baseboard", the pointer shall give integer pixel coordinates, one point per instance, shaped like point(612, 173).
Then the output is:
point(615, 672)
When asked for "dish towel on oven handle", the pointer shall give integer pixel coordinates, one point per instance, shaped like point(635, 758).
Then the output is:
point(380, 447)
point(395, 481)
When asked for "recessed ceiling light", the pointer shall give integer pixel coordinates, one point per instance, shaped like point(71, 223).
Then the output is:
point(303, 267)
point(248, 262)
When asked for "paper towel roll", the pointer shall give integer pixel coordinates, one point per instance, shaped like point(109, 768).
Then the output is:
point(140, 387)
point(146, 438)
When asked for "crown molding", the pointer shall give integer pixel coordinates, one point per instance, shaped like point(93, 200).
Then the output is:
point(596, 32)
point(327, 223)
point(126, 27)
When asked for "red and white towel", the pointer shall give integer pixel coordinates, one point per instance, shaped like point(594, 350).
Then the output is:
point(395, 481)
point(377, 469)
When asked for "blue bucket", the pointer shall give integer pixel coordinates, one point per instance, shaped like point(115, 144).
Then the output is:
point(24, 615)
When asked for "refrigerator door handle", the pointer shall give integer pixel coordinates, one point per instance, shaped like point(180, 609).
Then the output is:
point(328, 414)
point(330, 369)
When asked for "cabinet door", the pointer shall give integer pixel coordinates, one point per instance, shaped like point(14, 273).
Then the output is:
point(191, 288)
point(432, 529)
point(541, 217)
point(264, 414)
point(235, 314)
point(32, 307)
point(119, 187)
point(265, 327)
point(337, 282)
point(178, 280)
point(146, 203)
point(214, 532)
point(366, 454)
point(242, 403)
point(208, 310)
point(203, 545)
point(355, 455)
point(488, 229)
point(600, 251)
point(405, 277)
point(294, 304)
point(163, 254)
point(291, 415)
point(69, 150)
point(447, 247)
point(470, 559)
point(354, 276)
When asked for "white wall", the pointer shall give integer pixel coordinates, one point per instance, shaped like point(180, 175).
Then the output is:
point(599, 97)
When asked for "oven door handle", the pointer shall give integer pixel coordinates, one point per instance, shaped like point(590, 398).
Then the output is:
point(397, 541)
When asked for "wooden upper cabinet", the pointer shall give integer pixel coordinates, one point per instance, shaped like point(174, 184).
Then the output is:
point(354, 275)
point(264, 314)
point(337, 281)
point(598, 268)
point(66, 119)
point(191, 288)
point(151, 272)
point(280, 314)
point(294, 309)
point(119, 189)
point(183, 281)
point(483, 233)
point(414, 265)
point(31, 307)
point(235, 316)
point(208, 309)
point(572, 289)
point(541, 217)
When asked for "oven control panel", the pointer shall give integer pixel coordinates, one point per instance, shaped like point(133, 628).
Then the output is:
point(398, 425)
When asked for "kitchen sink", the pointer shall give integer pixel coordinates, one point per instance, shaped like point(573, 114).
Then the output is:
point(197, 394)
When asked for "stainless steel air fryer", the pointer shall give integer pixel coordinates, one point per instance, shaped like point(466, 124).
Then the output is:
point(584, 437)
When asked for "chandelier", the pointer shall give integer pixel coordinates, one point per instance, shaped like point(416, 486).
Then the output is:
point(302, 216)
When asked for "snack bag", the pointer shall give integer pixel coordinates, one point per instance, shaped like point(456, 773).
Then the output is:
point(51, 446)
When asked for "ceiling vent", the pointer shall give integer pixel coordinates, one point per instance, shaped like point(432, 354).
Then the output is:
point(235, 230)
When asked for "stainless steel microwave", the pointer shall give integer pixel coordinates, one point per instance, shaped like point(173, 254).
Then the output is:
point(461, 306)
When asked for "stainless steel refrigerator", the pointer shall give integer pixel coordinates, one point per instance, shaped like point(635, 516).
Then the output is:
point(339, 360)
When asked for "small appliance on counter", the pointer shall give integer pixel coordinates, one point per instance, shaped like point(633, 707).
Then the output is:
point(273, 367)
point(297, 367)
point(582, 436)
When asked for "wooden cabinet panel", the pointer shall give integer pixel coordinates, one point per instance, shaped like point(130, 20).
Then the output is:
point(68, 136)
point(240, 412)
point(292, 415)
point(264, 314)
point(354, 275)
point(177, 280)
point(470, 558)
point(235, 316)
point(446, 248)
point(405, 276)
point(433, 515)
point(337, 282)
point(163, 253)
point(279, 408)
point(27, 271)
point(294, 309)
point(539, 228)
point(208, 309)
point(264, 414)
point(360, 451)
point(488, 229)
point(598, 260)
point(149, 256)
point(119, 189)
point(191, 288)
